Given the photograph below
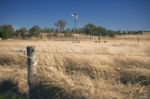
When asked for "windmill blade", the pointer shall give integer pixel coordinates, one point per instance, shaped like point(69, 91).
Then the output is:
point(75, 16)
point(72, 15)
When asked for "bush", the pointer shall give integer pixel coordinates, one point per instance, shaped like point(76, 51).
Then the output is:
point(6, 31)
point(4, 35)
point(111, 35)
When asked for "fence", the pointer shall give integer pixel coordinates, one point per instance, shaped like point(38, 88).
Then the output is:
point(31, 62)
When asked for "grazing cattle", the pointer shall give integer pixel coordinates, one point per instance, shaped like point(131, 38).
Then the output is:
point(105, 41)
point(97, 41)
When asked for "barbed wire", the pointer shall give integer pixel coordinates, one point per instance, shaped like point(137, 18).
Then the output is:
point(23, 53)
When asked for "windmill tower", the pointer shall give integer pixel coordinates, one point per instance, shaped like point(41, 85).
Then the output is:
point(75, 18)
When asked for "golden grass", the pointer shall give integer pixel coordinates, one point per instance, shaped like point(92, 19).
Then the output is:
point(117, 69)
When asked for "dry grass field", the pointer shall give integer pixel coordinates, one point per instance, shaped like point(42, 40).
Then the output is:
point(116, 69)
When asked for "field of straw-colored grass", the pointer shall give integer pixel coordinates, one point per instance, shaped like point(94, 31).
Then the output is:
point(118, 69)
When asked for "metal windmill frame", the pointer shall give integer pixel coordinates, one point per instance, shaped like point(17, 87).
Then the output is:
point(75, 18)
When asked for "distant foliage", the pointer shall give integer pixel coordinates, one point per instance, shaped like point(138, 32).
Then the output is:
point(48, 30)
point(22, 33)
point(91, 29)
point(6, 31)
point(60, 24)
point(35, 31)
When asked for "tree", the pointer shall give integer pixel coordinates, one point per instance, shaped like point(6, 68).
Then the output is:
point(119, 32)
point(100, 31)
point(140, 32)
point(48, 30)
point(6, 31)
point(90, 29)
point(60, 24)
point(111, 33)
point(35, 31)
point(22, 32)
point(124, 32)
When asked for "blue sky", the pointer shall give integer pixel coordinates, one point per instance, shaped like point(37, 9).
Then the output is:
point(111, 14)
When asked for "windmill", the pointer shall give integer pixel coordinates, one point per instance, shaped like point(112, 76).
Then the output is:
point(75, 18)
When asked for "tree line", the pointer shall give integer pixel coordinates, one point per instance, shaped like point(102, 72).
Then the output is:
point(7, 31)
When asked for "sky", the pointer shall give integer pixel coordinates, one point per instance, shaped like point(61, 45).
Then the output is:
point(111, 14)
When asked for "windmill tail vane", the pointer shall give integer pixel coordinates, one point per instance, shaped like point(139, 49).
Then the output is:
point(75, 16)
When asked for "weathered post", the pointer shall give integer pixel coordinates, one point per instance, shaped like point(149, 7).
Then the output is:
point(31, 62)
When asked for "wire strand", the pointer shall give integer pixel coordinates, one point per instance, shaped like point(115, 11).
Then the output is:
point(22, 53)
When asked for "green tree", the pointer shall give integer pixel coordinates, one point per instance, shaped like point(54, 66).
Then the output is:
point(60, 24)
point(111, 33)
point(124, 32)
point(90, 29)
point(140, 32)
point(119, 32)
point(6, 31)
point(100, 31)
point(22, 32)
point(47, 30)
point(35, 31)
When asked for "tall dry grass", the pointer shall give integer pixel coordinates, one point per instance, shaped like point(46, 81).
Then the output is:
point(86, 70)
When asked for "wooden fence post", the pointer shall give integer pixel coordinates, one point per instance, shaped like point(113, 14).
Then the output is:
point(31, 62)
